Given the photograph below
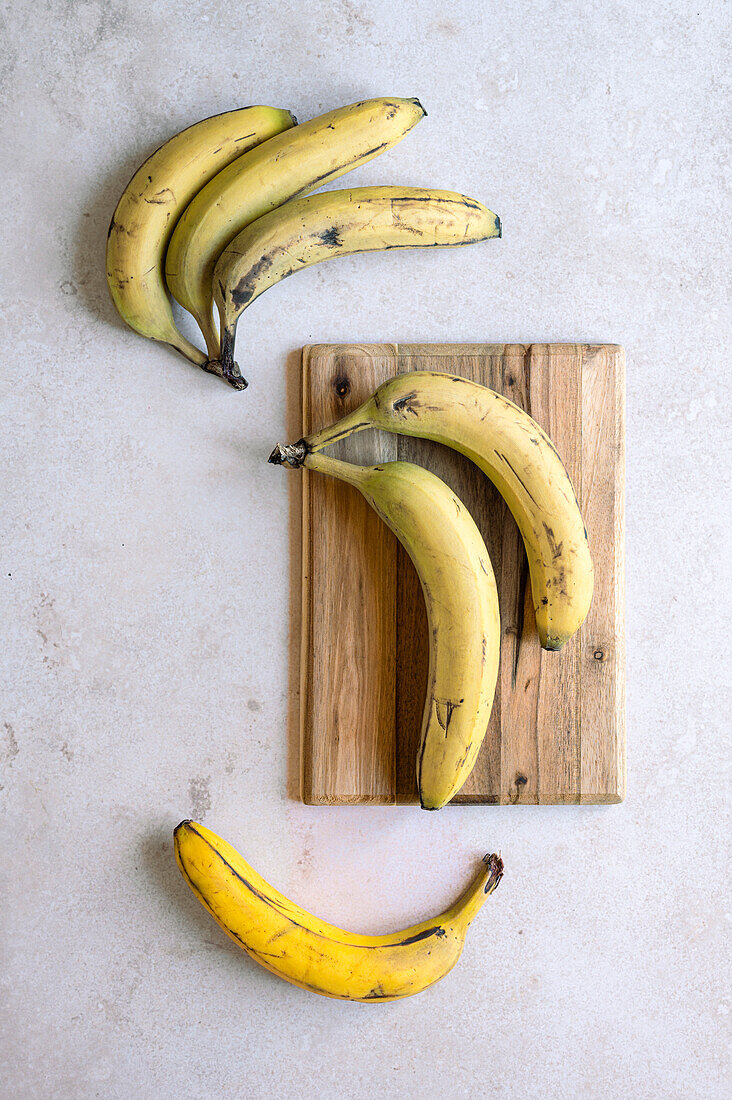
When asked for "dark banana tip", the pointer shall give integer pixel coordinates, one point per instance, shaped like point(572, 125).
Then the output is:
point(499, 227)
point(495, 865)
point(235, 379)
point(228, 371)
point(294, 118)
point(413, 99)
point(182, 825)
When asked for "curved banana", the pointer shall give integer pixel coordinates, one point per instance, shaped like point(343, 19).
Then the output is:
point(338, 223)
point(297, 946)
point(520, 460)
point(459, 587)
point(295, 163)
point(154, 199)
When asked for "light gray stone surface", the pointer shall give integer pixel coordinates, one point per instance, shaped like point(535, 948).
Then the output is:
point(145, 561)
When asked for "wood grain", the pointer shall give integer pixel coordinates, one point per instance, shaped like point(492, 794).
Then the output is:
point(348, 749)
point(557, 732)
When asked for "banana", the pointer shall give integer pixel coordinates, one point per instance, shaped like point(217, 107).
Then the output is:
point(292, 164)
point(459, 587)
point(154, 199)
point(520, 460)
point(297, 946)
point(338, 223)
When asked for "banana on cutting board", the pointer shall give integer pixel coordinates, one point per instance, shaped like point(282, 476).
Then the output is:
point(154, 199)
point(291, 164)
point(461, 598)
point(297, 946)
point(518, 457)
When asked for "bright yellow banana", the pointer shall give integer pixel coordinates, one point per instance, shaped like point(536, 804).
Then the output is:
point(338, 223)
point(154, 199)
point(297, 946)
point(312, 154)
point(520, 460)
point(459, 587)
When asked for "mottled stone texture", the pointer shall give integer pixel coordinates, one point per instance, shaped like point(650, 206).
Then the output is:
point(145, 563)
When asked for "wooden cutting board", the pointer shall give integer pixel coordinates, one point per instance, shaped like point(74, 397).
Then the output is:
point(557, 730)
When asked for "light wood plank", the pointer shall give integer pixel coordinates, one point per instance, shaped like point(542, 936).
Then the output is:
point(348, 748)
point(603, 650)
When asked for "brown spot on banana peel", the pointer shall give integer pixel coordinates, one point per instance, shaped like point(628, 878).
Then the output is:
point(425, 934)
point(554, 546)
point(450, 706)
point(330, 237)
point(161, 197)
point(243, 292)
point(518, 477)
point(118, 227)
point(315, 181)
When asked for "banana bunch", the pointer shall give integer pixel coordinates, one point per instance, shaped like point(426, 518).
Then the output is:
point(224, 210)
point(304, 950)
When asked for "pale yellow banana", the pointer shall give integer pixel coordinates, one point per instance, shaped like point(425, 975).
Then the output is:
point(154, 199)
point(312, 154)
point(338, 223)
point(297, 946)
point(459, 587)
point(518, 457)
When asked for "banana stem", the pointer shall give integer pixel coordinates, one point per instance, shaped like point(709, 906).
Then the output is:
point(188, 350)
point(336, 467)
point(356, 421)
point(210, 334)
point(224, 366)
point(463, 911)
point(294, 454)
point(289, 454)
